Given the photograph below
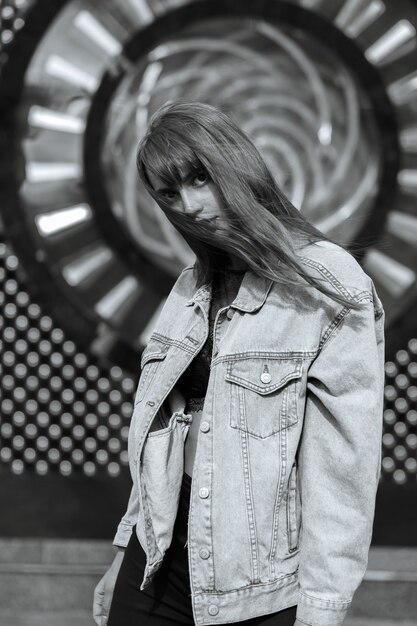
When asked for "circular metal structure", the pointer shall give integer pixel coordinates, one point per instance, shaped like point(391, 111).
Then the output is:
point(327, 89)
point(324, 88)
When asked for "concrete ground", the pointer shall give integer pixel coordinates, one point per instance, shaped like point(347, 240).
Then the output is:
point(84, 619)
point(41, 581)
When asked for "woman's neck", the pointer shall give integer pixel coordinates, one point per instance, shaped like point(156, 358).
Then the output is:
point(235, 263)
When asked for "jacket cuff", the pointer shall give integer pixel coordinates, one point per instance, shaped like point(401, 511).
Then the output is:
point(317, 612)
point(123, 534)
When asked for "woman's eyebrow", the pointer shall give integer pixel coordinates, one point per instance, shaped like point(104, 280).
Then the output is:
point(190, 175)
point(184, 178)
point(163, 189)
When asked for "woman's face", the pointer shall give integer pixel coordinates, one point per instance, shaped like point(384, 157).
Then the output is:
point(197, 197)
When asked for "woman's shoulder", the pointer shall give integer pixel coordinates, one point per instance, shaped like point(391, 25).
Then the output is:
point(331, 261)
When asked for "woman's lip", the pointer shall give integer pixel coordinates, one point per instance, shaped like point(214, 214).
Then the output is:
point(207, 219)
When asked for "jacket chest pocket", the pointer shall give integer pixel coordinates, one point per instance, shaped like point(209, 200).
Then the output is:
point(264, 394)
point(151, 360)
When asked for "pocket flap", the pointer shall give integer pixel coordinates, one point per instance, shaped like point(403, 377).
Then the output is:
point(263, 375)
point(155, 350)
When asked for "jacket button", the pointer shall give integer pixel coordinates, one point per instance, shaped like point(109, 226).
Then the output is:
point(205, 426)
point(213, 609)
point(204, 553)
point(230, 313)
point(266, 377)
point(203, 492)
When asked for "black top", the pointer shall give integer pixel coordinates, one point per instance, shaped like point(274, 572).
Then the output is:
point(193, 382)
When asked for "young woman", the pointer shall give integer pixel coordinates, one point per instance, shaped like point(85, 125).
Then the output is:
point(255, 440)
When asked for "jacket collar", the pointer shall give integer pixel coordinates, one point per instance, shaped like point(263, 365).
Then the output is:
point(252, 293)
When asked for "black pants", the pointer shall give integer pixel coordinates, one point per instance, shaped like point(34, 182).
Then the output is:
point(167, 600)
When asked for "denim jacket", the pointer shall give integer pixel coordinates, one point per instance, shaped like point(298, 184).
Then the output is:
point(288, 454)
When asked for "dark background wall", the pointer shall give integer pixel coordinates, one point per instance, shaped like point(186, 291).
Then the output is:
point(327, 90)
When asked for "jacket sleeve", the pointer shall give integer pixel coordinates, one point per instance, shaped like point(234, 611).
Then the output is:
point(339, 461)
point(129, 519)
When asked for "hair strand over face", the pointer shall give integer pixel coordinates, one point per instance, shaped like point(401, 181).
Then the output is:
point(264, 229)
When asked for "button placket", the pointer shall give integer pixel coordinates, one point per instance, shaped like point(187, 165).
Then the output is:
point(204, 553)
point(213, 609)
point(217, 330)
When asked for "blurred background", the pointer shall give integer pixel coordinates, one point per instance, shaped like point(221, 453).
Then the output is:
point(327, 89)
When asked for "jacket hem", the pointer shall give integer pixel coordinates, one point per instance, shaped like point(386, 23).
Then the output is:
point(241, 604)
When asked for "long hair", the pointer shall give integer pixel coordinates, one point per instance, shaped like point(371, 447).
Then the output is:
point(263, 228)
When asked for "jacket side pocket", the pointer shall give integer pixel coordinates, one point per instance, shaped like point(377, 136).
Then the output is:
point(293, 514)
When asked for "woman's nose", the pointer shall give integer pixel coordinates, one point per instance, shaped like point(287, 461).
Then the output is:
point(189, 202)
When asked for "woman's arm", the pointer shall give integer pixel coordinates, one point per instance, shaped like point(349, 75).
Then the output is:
point(339, 461)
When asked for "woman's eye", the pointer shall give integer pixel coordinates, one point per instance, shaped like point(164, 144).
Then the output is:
point(168, 195)
point(201, 178)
